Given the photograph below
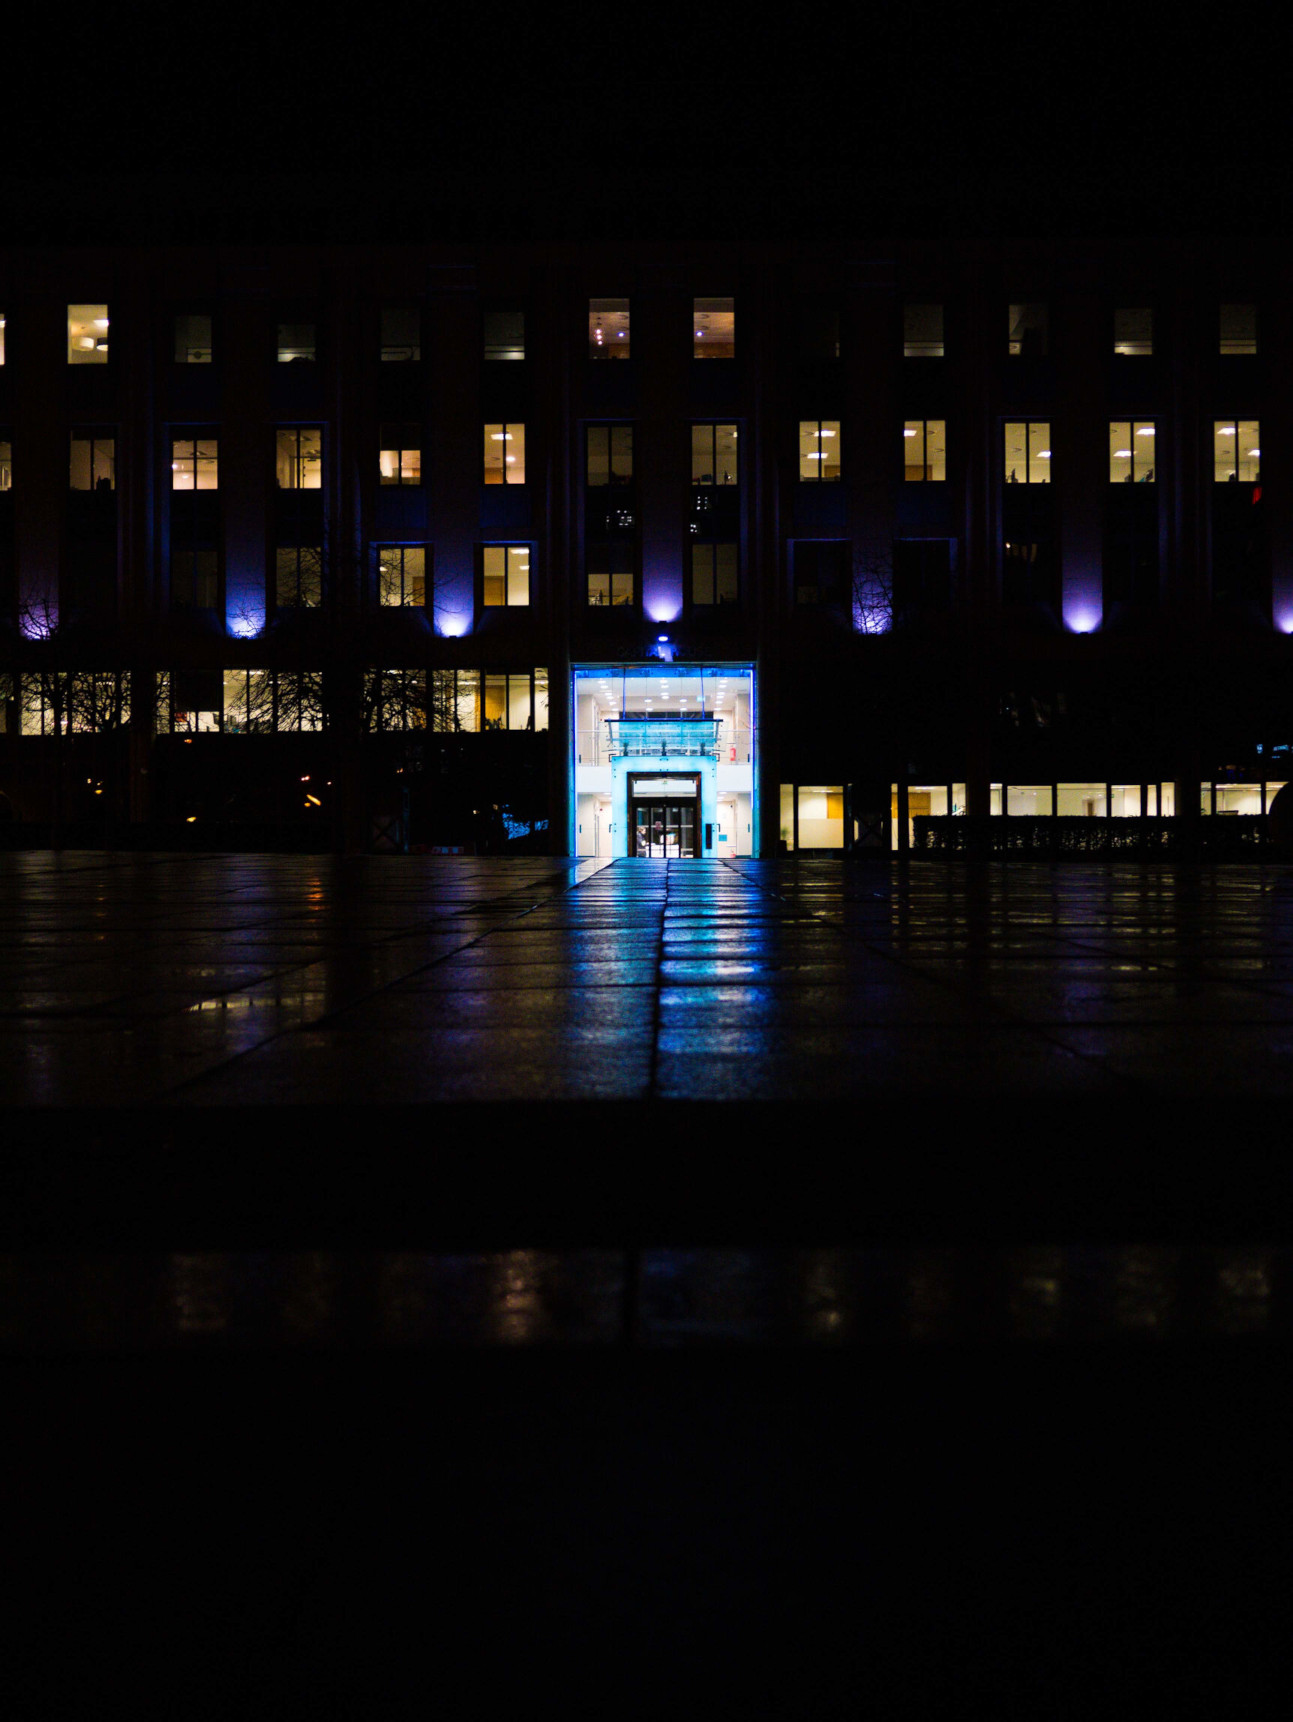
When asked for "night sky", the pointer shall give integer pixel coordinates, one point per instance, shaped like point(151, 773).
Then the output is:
point(903, 120)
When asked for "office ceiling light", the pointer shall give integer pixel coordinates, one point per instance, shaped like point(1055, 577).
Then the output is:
point(1145, 430)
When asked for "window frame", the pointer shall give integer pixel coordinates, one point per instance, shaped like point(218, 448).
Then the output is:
point(917, 430)
point(505, 431)
point(394, 437)
point(821, 433)
point(509, 547)
point(407, 580)
point(297, 459)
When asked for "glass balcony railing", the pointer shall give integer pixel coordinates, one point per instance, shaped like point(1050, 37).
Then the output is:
point(651, 736)
point(729, 744)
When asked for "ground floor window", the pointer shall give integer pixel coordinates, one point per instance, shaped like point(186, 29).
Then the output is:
point(812, 816)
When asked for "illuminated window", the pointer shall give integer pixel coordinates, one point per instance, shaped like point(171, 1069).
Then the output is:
point(2, 324)
point(195, 463)
point(1238, 330)
point(1236, 451)
point(401, 334)
point(193, 339)
point(471, 700)
point(93, 462)
point(1133, 332)
point(400, 457)
point(298, 458)
point(1027, 451)
point(819, 450)
point(714, 574)
point(713, 327)
point(924, 451)
point(1029, 330)
point(713, 454)
point(504, 335)
point(297, 343)
point(610, 454)
point(611, 579)
point(922, 331)
point(508, 701)
point(395, 699)
point(505, 454)
point(608, 328)
point(87, 334)
point(298, 576)
point(6, 463)
point(1131, 451)
point(505, 576)
point(402, 575)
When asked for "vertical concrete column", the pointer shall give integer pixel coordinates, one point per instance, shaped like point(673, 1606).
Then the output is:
point(135, 338)
point(1189, 319)
point(976, 335)
point(246, 453)
point(767, 586)
point(349, 451)
point(1276, 338)
point(870, 458)
point(36, 356)
point(1187, 586)
point(662, 310)
point(457, 462)
point(1081, 343)
point(553, 521)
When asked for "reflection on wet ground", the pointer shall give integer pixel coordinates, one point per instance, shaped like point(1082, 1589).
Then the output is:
point(655, 1298)
point(289, 1100)
point(229, 980)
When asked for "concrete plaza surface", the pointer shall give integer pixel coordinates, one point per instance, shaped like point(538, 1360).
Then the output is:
point(305, 1165)
point(428, 1050)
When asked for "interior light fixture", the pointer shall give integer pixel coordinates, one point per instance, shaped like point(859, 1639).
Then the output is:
point(1122, 454)
point(909, 433)
point(1145, 430)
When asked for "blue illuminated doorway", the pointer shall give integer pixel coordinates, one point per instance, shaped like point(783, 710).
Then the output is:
point(679, 725)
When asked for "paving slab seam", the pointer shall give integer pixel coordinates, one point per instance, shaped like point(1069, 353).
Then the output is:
point(171, 1094)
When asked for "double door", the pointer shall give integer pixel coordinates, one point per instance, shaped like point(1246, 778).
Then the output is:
point(664, 830)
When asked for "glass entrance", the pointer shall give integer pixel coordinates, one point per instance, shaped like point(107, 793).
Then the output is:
point(664, 830)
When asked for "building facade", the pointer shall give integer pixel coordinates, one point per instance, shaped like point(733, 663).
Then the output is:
point(654, 550)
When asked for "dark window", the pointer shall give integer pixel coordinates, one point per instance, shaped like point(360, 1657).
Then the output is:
point(1238, 330)
point(821, 575)
point(298, 576)
point(817, 331)
point(922, 331)
point(1029, 330)
point(504, 335)
point(401, 334)
point(193, 338)
point(297, 343)
point(922, 577)
point(1133, 332)
point(714, 574)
